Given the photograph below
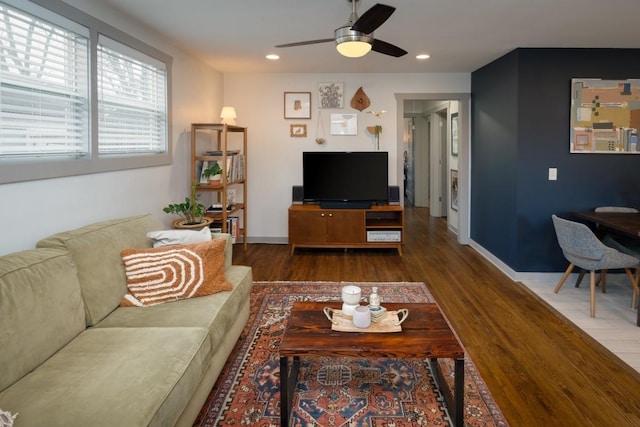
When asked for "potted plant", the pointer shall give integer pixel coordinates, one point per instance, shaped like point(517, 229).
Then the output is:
point(191, 211)
point(375, 131)
point(213, 173)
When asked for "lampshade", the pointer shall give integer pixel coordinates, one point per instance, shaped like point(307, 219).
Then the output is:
point(352, 44)
point(228, 115)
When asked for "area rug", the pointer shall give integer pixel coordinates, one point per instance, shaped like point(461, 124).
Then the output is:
point(335, 391)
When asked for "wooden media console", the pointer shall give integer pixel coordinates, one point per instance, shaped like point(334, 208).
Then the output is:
point(311, 226)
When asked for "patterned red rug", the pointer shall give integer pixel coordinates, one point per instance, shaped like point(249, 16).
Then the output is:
point(337, 391)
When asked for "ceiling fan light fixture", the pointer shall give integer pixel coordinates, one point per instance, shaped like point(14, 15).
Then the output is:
point(353, 49)
point(352, 44)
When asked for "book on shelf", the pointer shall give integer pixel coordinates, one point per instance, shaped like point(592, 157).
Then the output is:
point(221, 153)
point(217, 207)
point(235, 171)
point(233, 228)
point(229, 168)
point(201, 167)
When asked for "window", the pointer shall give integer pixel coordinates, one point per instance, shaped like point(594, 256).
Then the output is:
point(51, 123)
point(44, 90)
point(131, 101)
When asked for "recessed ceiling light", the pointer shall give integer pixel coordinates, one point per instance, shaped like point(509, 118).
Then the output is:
point(423, 56)
point(273, 56)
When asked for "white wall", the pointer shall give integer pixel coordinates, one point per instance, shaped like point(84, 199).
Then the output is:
point(275, 159)
point(32, 210)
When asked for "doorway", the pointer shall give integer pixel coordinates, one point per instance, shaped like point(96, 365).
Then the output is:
point(434, 174)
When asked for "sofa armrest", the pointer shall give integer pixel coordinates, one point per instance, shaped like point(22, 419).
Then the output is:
point(228, 250)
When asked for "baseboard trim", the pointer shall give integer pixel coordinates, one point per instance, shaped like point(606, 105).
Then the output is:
point(268, 240)
point(517, 276)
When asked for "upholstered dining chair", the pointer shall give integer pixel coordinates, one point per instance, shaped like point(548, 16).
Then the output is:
point(581, 247)
point(629, 246)
point(626, 247)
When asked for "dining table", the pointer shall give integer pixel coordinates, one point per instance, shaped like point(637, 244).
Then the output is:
point(622, 223)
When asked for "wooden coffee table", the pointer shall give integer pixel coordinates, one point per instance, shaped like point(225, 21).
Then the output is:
point(425, 334)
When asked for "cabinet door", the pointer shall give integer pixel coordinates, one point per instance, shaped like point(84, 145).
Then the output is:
point(307, 227)
point(345, 226)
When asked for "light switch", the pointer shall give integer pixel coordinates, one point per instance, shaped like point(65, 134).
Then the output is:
point(553, 174)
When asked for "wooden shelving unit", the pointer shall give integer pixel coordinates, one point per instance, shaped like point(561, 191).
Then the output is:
point(227, 145)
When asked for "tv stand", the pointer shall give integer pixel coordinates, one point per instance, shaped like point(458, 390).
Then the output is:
point(311, 226)
point(336, 204)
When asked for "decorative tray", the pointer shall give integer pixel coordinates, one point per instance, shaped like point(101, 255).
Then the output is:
point(390, 323)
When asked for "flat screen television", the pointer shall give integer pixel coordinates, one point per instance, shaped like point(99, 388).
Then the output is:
point(351, 179)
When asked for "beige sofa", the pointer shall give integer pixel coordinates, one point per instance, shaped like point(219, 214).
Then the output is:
point(71, 356)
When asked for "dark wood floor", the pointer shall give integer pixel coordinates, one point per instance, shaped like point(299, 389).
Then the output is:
point(541, 370)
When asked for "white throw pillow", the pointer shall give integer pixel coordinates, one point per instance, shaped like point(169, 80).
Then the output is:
point(178, 237)
point(7, 418)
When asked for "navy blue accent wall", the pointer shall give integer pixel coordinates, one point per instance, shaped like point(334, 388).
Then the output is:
point(520, 118)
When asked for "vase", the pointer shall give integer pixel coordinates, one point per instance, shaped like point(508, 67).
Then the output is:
point(180, 224)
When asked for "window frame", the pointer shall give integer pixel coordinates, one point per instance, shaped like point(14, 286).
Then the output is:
point(30, 169)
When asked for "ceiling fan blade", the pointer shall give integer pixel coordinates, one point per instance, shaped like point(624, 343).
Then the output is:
point(373, 18)
point(387, 48)
point(307, 42)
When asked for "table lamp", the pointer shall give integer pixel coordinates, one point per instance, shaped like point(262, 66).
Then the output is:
point(228, 115)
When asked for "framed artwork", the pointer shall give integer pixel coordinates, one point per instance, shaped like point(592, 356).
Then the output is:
point(454, 134)
point(331, 95)
point(297, 105)
point(605, 116)
point(298, 131)
point(454, 189)
point(344, 124)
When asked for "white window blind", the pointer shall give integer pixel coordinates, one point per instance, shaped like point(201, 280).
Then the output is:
point(44, 86)
point(132, 100)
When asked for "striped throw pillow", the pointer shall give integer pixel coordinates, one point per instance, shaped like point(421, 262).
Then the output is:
point(170, 273)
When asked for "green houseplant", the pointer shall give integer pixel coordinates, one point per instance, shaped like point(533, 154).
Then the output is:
point(191, 211)
point(213, 173)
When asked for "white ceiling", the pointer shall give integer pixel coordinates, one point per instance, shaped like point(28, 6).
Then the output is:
point(460, 35)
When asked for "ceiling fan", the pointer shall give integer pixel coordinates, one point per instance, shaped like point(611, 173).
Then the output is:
point(355, 38)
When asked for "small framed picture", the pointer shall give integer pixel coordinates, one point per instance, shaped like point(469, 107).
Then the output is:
point(344, 124)
point(297, 105)
point(298, 131)
point(454, 134)
point(454, 189)
point(331, 95)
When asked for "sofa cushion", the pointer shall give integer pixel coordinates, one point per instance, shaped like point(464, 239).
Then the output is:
point(215, 312)
point(41, 309)
point(171, 273)
point(179, 237)
point(113, 377)
point(95, 250)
